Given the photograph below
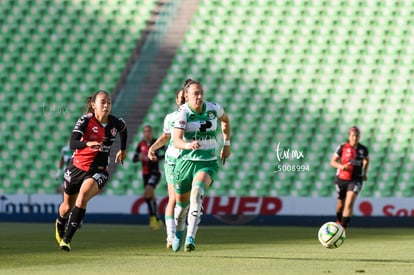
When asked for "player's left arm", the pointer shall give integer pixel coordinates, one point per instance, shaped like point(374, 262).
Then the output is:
point(60, 168)
point(123, 134)
point(225, 128)
point(365, 164)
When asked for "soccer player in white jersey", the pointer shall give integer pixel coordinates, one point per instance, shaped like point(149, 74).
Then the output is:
point(195, 133)
point(170, 157)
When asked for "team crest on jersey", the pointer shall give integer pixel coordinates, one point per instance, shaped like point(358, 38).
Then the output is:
point(113, 131)
point(210, 115)
point(182, 123)
point(95, 129)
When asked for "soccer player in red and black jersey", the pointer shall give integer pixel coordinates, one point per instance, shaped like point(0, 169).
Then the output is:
point(87, 172)
point(351, 161)
point(150, 173)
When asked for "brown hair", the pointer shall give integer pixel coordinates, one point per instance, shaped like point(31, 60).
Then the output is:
point(181, 98)
point(188, 82)
point(92, 98)
point(354, 129)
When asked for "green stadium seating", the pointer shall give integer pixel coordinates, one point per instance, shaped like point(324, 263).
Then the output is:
point(301, 73)
point(295, 72)
point(55, 54)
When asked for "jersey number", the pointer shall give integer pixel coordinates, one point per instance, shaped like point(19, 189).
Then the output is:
point(204, 126)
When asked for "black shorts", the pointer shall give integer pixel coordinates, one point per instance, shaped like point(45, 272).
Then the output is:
point(152, 179)
point(343, 186)
point(74, 177)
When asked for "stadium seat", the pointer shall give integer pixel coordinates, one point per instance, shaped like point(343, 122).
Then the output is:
point(54, 55)
point(368, 113)
point(281, 76)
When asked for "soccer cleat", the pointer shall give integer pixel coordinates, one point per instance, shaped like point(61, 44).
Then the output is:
point(57, 235)
point(155, 223)
point(176, 244)
point(189, 244)
point(169, 242)
point(59, 232)
point(64, 246)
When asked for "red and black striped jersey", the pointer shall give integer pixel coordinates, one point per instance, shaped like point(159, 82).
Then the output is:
point(354, 155)
point(148, 166)
point(88, 128)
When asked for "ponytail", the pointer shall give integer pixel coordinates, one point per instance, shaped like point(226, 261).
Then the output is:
point(89, 101)
point(180, 99)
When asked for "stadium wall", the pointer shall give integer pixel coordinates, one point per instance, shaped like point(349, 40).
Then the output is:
point(277, 211)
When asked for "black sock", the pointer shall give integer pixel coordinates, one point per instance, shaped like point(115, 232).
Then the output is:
point(61, 224)
point(339, 216)
point(75, 218)
point(152, 207)
point(346, 221)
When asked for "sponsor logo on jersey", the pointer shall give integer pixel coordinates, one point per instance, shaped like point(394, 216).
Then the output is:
point(67, 176)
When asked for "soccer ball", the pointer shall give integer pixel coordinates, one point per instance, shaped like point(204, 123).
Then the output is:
point(331, 235)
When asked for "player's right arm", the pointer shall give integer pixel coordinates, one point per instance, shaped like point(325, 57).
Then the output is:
point(335, 160)
point(77, 134)
point(137, 152)
point(178, 134)
point(163, 139)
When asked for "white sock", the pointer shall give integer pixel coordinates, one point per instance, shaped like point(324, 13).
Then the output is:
point(194, 215)
point(180, 213)
point(170, 227)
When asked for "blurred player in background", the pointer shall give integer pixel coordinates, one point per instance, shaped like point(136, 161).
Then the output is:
point(87, 172)
point(65, 156)
point(195, 133)
point(351, 161)
point(151, 174)
point(170, 157)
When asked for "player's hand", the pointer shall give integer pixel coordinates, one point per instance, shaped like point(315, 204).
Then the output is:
point(194, 145)
point(94, 145)
point(120, 156)
point(224, 154)
point(151, 154)
point(346, 166)
point(58, 174)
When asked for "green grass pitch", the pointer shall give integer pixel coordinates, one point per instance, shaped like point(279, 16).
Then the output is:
point(30, 248)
